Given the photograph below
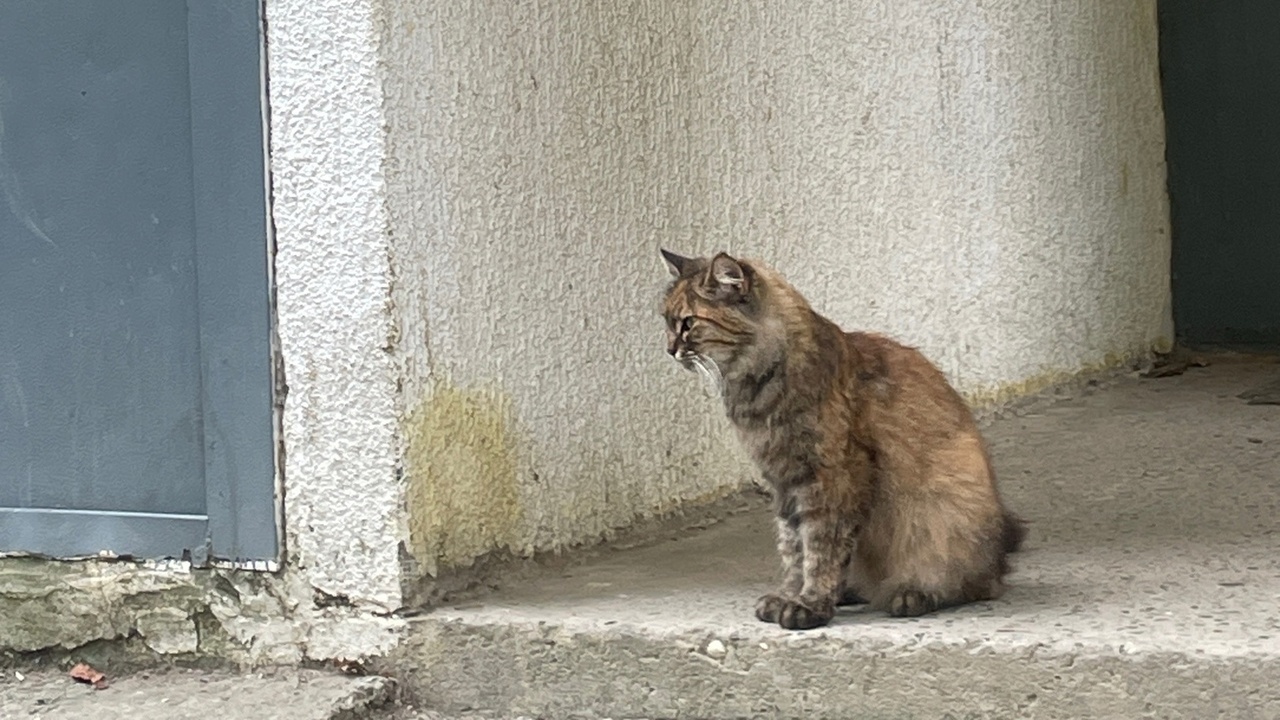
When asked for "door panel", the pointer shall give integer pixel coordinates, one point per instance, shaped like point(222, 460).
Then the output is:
point(135, 385)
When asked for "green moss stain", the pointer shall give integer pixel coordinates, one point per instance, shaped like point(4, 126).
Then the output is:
point(461, 472)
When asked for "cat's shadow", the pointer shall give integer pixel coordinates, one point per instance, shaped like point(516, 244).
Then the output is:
point(1020, 599)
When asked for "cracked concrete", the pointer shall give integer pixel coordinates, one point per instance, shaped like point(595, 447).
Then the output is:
point(156, 612)
point(1150, 586)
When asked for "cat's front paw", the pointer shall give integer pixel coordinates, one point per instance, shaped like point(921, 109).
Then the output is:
point(769, 607)
point(796, 615)
point(793, 614)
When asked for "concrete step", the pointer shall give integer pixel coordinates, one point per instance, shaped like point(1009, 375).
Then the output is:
point(1149, 587)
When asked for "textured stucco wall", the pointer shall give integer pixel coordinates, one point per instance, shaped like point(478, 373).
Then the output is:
point(531, 174)
point(342, 494)
point(984, 180)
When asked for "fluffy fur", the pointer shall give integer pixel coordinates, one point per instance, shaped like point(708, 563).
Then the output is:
point(882, 485)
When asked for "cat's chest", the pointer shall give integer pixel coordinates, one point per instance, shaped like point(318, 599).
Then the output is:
point(759, 440)
point(775, 449)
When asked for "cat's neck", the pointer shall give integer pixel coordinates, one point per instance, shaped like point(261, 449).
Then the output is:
point(777, 377)
point(752, 395)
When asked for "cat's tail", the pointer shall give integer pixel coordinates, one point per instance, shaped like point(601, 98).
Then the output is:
point(1015, 531)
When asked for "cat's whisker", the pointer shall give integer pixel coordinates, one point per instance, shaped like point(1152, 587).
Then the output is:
point(710, 372)
point(717, 377)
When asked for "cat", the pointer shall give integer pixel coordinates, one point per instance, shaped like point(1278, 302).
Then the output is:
point(882, 486)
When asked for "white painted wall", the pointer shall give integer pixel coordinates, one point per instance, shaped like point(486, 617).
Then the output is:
point(342, 496)
point(469, 199)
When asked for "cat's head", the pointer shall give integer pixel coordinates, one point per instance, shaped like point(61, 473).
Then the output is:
point(711, 311)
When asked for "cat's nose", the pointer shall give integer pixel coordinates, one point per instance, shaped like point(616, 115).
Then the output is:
point(671, 347)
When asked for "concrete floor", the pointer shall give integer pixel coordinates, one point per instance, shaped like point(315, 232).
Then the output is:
point(1149, 587)
point(280, 694)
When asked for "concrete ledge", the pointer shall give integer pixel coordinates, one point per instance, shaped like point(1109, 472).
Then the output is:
point(553, 671)
point(1150, 587)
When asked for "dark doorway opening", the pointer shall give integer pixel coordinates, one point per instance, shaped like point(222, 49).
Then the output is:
point(1220, 72)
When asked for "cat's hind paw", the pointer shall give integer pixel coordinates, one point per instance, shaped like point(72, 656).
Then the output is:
point(913, 603)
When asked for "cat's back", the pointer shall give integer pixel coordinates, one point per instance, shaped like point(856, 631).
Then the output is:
point(904, 391)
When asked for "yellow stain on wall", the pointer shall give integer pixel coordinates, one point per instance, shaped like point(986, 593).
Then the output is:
point(462, 487)
point(1003, 394)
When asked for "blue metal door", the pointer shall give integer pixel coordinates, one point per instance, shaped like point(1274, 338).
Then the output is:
point(136, 411)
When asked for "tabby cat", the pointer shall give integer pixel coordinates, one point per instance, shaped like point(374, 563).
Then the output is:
point(883, 489)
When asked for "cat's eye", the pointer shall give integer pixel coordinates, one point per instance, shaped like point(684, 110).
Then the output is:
point(686, 324)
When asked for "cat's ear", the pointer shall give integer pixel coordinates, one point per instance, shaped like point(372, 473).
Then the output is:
point(675, 263)
point(726, 279)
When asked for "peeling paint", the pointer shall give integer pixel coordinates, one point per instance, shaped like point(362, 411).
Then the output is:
point(462, 477)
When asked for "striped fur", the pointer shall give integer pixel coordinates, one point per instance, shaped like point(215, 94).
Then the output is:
point(883, 488)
